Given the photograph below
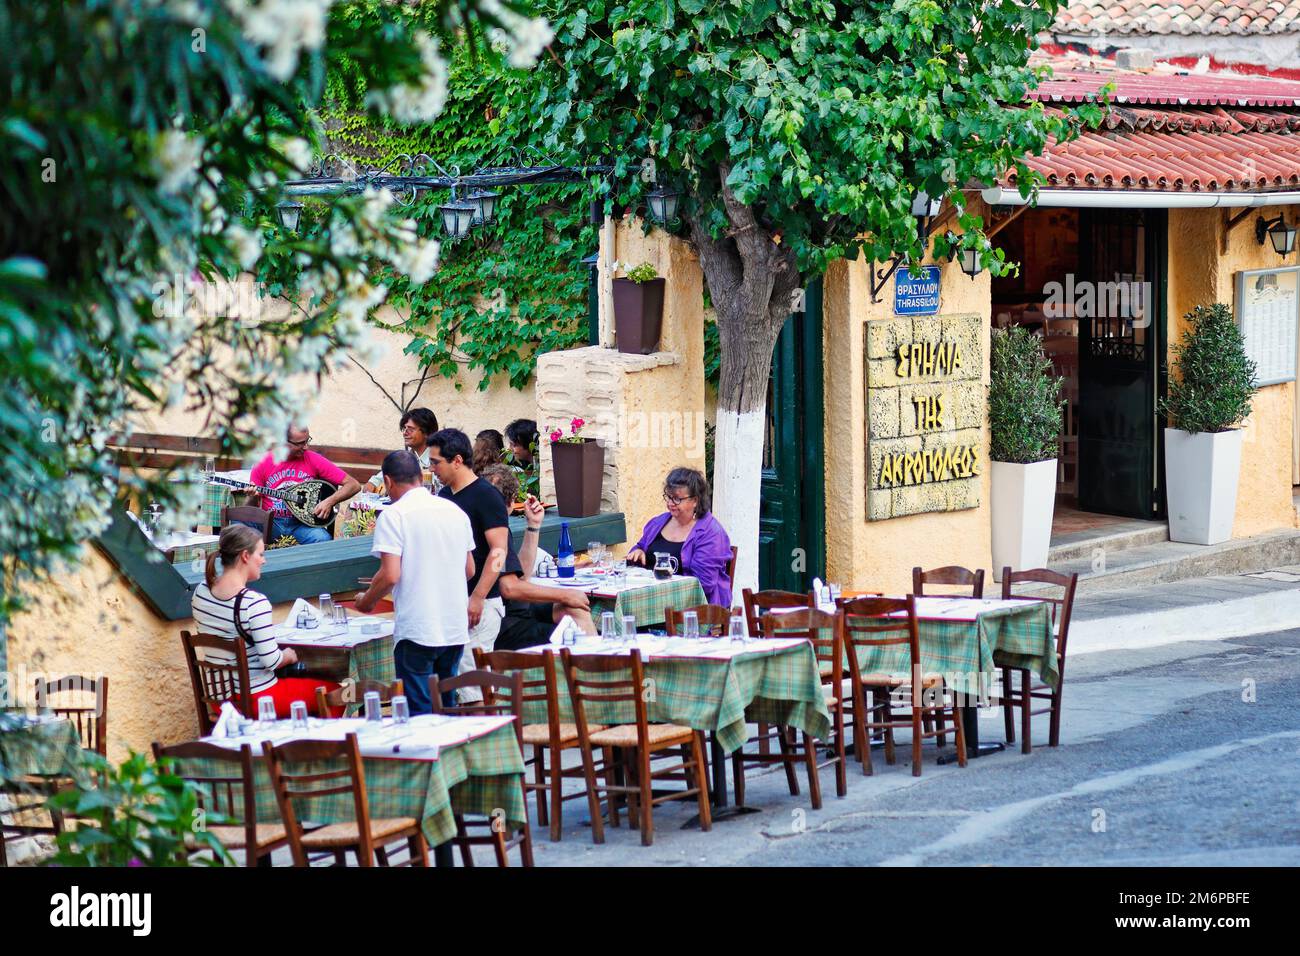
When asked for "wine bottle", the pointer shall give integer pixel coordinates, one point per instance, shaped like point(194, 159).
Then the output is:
point(564, 553)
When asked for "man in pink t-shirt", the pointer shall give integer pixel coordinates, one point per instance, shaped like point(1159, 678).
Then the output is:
point(301, 465)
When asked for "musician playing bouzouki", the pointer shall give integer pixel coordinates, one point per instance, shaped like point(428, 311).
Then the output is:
point(300, 464)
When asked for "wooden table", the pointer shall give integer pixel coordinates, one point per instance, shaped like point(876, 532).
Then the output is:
point(336, 657)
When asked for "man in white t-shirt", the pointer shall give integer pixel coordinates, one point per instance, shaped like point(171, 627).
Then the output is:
point(425, 548)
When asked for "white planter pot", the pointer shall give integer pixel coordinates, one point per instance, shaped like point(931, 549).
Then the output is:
point(1024, 497)
point(1201, 471)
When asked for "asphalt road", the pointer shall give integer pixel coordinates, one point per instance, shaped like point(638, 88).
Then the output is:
point(1180, 755)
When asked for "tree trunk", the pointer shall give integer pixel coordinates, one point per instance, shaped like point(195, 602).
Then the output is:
point(751, 279)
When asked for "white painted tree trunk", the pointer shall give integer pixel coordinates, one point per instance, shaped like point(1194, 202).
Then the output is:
point(737, 473)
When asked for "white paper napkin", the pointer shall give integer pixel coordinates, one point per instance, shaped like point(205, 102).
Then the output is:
point(300, 605)
point(228, 722)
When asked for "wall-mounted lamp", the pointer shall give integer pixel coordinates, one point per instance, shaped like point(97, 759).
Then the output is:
point(1278, 232)
point(662, 204)
point(970, 258)
point(289, 213)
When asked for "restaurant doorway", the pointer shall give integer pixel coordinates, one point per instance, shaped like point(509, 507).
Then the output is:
point(791, 520)
point(1092, 284)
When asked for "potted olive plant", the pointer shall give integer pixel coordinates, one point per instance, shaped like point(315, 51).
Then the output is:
point(1025, 425)
point(579, 471)
point(1210, 390)
point(639, 310)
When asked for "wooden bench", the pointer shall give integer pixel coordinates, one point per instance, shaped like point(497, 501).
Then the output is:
point(147, 450)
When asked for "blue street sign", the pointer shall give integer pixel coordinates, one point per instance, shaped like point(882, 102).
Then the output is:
point(916, 295)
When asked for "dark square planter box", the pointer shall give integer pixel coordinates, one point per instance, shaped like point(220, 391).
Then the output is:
point(579, 472)
point(638, 315)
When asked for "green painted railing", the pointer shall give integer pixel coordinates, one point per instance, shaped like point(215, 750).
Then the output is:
point(303, 571)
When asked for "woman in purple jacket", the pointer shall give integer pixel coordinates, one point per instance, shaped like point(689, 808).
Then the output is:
point(689, 533)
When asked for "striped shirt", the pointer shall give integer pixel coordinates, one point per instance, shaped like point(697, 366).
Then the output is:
point(215, 616)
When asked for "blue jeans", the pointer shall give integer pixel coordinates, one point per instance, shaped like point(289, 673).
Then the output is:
point(415, 663)
point(302, 533)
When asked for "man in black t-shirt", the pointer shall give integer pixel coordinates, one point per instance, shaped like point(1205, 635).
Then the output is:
point(532, 610)
point(450, 455)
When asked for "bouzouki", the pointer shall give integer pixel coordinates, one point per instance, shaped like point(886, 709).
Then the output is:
point(300, 497)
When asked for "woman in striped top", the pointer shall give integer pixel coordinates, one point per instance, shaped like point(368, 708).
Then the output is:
point(241, 551)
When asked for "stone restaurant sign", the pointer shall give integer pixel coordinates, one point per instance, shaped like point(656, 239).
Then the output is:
point(925, 414)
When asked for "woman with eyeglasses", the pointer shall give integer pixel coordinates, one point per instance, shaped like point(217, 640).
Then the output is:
point(690, 534)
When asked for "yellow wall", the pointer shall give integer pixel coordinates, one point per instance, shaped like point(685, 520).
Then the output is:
point(1204, 259)
point(879, 555)
point(92, 623)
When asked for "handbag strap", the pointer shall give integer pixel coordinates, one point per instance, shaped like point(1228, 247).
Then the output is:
point(239, 627)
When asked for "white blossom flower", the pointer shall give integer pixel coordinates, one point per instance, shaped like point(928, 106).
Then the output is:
point(176, 160)
point(298, 153)
point(416, 103)
point(283, 29)
point(246, 244)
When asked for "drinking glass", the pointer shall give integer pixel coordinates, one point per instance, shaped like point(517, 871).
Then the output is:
point(373, 713)
point(298, 714)
point(608, 627)
point(209, 465)
point(736, 629)
point(619, 571)
point(266, 710)
point(690, 624)
point(326, 608)
point(835, 592)
point(340, 619)
point(629, 627)
point(401, 711)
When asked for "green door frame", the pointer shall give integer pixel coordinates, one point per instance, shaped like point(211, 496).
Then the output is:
point(792, 512)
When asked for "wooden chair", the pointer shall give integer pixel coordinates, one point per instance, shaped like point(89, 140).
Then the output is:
point(635, 742)
point(232, 795)
point(868, 624)
point(82, 701)
point(757, 604)
point(1030, 690)
point(713, 619)
point(337, 700)
point(362, 835)
point(216, 682)
point(829, 653)
point(952, 575)
point(502, 697)
point(540, 683)
point(731, 570)
point(253, 515)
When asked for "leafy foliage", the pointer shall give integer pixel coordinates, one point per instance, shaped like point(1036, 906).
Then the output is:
point(514, 288)
point(1025, 399)
point(138, 814)
point(824, 118)
point(1214, 379)
point(642, 273)
point(144, 174)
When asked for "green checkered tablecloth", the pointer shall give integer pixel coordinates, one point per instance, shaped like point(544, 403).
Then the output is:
point(481, 776)
point(193, 553)
point(215, 497)
point(46, 748)
point(373, 660)
point(964, 651)
point(648, 603)
point(762, 686)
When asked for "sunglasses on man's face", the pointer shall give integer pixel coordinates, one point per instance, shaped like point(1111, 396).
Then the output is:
point(301, 444)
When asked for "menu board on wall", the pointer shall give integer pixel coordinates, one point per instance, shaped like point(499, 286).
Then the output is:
point(1268, 313)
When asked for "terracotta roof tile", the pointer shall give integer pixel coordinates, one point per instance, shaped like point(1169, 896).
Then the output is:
point(1239, 17)
point(1172, 131)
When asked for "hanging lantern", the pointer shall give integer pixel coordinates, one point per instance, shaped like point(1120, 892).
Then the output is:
point(289, 213)
point(485, 206)
point(662, 204)
point(1279, 234)
point(457, 217)
point(970, 262)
